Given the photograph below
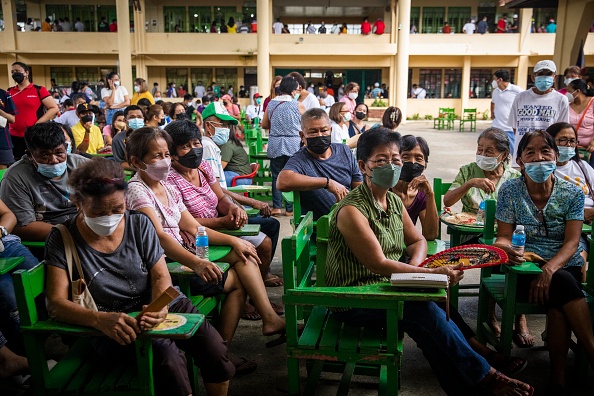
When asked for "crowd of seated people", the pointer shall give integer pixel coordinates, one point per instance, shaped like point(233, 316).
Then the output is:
point(373, 187)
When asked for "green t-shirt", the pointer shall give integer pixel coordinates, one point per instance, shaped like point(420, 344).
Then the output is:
point(236, 158)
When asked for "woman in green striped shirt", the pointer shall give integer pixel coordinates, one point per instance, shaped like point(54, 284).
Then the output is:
point(367, 232)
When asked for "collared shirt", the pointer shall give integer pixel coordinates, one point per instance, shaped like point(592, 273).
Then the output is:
point(95, 137)
point(503, 100)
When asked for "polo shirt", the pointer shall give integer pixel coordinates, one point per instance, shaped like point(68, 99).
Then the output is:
point(95, 137)
point(29, 106)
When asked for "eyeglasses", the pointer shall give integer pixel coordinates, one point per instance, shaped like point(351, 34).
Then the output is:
point(382, 162)
point(542, 227)
point(566, 142)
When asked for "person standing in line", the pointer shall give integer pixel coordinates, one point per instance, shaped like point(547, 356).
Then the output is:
point(502, 98)
point(447, 29)
point(379, 26)
point(33, 103)
point(79, 26)
point(502, 24)
point(115, 96)
point(539, 107)
point(469, 27)
point(322, 28)
point(199, 90)
point(514, 26)
point(277, 27)
point(365, 26)
point(483, 26)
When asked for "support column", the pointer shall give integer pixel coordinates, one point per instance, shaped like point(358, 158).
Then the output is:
point(402, 55)
point(124, 47)
point(9, 11)
point(574, 18)
point(465, 92)
point(525, 24)
point(264, 31)
point(522, 74)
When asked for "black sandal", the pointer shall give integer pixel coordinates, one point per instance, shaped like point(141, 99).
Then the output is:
point(510, 366)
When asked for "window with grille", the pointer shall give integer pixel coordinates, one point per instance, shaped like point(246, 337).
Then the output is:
point(202, 74)
point(200, 19)
point(226, 77)
point(414, 17)
point(63, 75)
point(452, 83)
point(57, 11)
point(177, 75)
point(457, 17)
point(433, 18)
point(430, 79)
point(90, 74)
point(174, 16)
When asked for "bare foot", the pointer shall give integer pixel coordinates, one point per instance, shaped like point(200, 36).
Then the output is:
point(12, 364)
point(274, 326)
point(522, 337)
point(494, 326)
point(498, 384)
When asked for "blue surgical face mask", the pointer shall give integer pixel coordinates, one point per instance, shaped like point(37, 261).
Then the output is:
point(52, 171)
point(135, 123)
point(296, 96)
point(566, 153)
point(543, 83)
point(539, 172)
point(221, 136)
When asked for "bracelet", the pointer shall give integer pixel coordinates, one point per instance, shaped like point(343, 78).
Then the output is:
point(327, 183)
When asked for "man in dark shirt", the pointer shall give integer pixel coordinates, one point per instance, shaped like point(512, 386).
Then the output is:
point(322, 172)
point(482, 26)
point(103, 25)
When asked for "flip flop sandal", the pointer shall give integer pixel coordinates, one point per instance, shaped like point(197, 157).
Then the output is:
point(510, 366)
point(245, 367)
point(499, 384)
point(277, 308)
point(273, 281)
point(522, 340)
point(282, 339)
point(250, 313)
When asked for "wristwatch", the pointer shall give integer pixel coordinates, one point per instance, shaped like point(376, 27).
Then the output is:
point(3, 232)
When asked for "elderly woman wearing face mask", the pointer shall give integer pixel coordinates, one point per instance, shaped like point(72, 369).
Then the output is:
point(581, 113)
point(350, 99)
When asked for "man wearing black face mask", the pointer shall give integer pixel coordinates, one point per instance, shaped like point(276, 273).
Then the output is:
point(322, 172)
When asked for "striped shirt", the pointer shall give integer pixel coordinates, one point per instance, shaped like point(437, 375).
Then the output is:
point(342, 267)
point(201, 201)
point(285, 125)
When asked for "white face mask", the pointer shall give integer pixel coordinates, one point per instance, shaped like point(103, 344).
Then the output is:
point(353, 95)
point(487, 163)
point(568, 80)
point(136, 88)
point(569, 96)
point(494, 84)
point(116, 83)
point(347, 117)
point(104, 225)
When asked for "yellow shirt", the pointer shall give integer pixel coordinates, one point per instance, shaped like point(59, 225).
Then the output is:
point(95, 137)
point(144, 95)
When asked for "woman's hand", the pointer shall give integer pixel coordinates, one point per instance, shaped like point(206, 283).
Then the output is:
point(208, 272)
point(151, 320)
point(590, 147)
point(239, 215)
point(454, 273)
point(420, 183)
point(539, 288)
point(514, 257)
point(118, 326)
point(484, 184)
point(245, 250)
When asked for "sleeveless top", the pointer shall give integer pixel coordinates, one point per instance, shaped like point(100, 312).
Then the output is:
point(342, 267)
point(285, 124)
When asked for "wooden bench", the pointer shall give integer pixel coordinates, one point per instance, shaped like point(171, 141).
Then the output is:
point(81, 371)
point(327, 343)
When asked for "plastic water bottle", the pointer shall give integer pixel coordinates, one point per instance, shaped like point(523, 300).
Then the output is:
point(480, 214)
point(202, 243)
point(519, 239)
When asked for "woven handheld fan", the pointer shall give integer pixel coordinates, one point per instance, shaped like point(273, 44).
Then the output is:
point(470, 256)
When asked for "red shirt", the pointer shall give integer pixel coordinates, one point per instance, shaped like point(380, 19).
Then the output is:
point(379, 27)
point(501, 24)
point(29, 107)
point(254, 26)
point(365, 27)
point(113, 27)
point(446, 29)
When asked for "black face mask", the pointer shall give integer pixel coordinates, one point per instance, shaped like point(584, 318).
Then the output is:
point(319, 144)
point(162, 122)
point(18, 77)
point(410, 170)
point(277, 90)
point(360, 115)
point(192, 159)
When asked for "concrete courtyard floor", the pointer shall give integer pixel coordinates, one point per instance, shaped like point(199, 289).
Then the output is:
point(449, 150)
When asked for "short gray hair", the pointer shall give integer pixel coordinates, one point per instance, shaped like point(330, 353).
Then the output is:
point(313, 114)
point(499, 136)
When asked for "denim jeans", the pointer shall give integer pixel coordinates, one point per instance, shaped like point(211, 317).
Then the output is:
point(269, 226)
point(109, 115)
point(229, 175)
point(276, 166)
point(9, 315)
point(457, 367)
point(512, 139)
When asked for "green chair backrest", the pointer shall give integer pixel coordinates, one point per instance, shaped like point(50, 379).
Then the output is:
point(28, 285)
point(439, 190)
point(2, 172)
point(469, 114)
point(322, 230)
point(297, 268)
point(293, 197)
point(489, 229)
